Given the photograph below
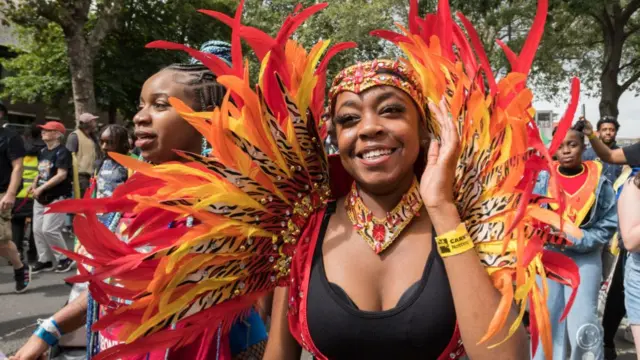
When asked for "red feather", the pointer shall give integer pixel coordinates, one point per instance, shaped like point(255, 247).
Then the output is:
point(482, 55)
point(151, 220)
point(217, 65)
point(530, 47)
point(529, 179)
point(444, 24)
point(565, 268)
point(236, 46)
point(317, 107)
point(226, 313)
point(467, 57)
point(511, 56)
point(567, 119)
point(413, 15)
point(392, 36)
point(292, 23)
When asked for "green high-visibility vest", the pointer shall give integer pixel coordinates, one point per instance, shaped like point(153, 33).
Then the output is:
point(30, 165)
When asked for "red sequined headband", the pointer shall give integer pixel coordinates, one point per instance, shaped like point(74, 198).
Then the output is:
point(362, 76)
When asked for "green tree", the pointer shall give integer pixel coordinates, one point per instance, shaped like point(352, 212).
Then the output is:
point(41, 71)
point(347, 20)
point(599, 41)
point(124, 64)
point(84, 24)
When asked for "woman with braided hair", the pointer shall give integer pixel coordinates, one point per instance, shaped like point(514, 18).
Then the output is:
point(159, 130)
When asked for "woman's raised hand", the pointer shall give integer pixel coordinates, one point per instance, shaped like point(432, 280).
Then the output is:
point(436, 185)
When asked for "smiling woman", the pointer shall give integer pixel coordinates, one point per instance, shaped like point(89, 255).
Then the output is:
point(378, 137)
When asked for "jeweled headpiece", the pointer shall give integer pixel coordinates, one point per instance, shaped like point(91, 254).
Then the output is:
point(363, 76)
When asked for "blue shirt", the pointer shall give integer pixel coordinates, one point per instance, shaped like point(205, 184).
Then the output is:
point(110, 175)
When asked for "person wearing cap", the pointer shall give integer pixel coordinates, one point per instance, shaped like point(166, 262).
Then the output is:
point(84, 143)
point(52, 184)
point(11, 155)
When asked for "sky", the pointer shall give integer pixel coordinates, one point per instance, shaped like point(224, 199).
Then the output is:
point(629, 108)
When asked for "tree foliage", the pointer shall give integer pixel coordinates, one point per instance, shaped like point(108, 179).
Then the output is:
point(40, 72)
point(84, 24)
point(599, 41)
point(347, 20)
point(124, 64)
point(121, 64)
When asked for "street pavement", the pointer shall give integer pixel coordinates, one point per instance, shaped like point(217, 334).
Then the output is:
point(48, 293)
point(19, 312)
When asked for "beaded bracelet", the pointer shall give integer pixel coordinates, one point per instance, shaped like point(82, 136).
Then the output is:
point(454, 242)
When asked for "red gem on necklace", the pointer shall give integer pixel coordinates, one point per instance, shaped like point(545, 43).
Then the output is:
point(379, 232)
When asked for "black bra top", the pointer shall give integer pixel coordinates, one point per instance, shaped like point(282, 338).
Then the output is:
point(420, 326)
point(406, 296)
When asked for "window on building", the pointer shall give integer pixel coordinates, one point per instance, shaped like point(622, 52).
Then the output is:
point(544, 119)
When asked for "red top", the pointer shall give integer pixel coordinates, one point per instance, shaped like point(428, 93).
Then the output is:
point(571, 184)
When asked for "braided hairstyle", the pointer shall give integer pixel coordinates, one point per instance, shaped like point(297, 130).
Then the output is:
point(200, 83)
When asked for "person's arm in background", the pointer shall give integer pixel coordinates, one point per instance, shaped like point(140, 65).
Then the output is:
point(16, 154)
point(622, 156)
point(629, 216)
point(69, 318)
point(72, 143)
point(59, 177)
point(9, 197)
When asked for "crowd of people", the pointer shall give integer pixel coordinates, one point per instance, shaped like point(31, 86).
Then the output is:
point(362, 281)
point(39, 169)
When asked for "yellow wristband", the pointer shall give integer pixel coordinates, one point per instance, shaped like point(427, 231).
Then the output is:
point(592, 136)
point(454, 242)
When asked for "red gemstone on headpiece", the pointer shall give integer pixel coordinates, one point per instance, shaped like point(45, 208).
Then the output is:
point(358, 76)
